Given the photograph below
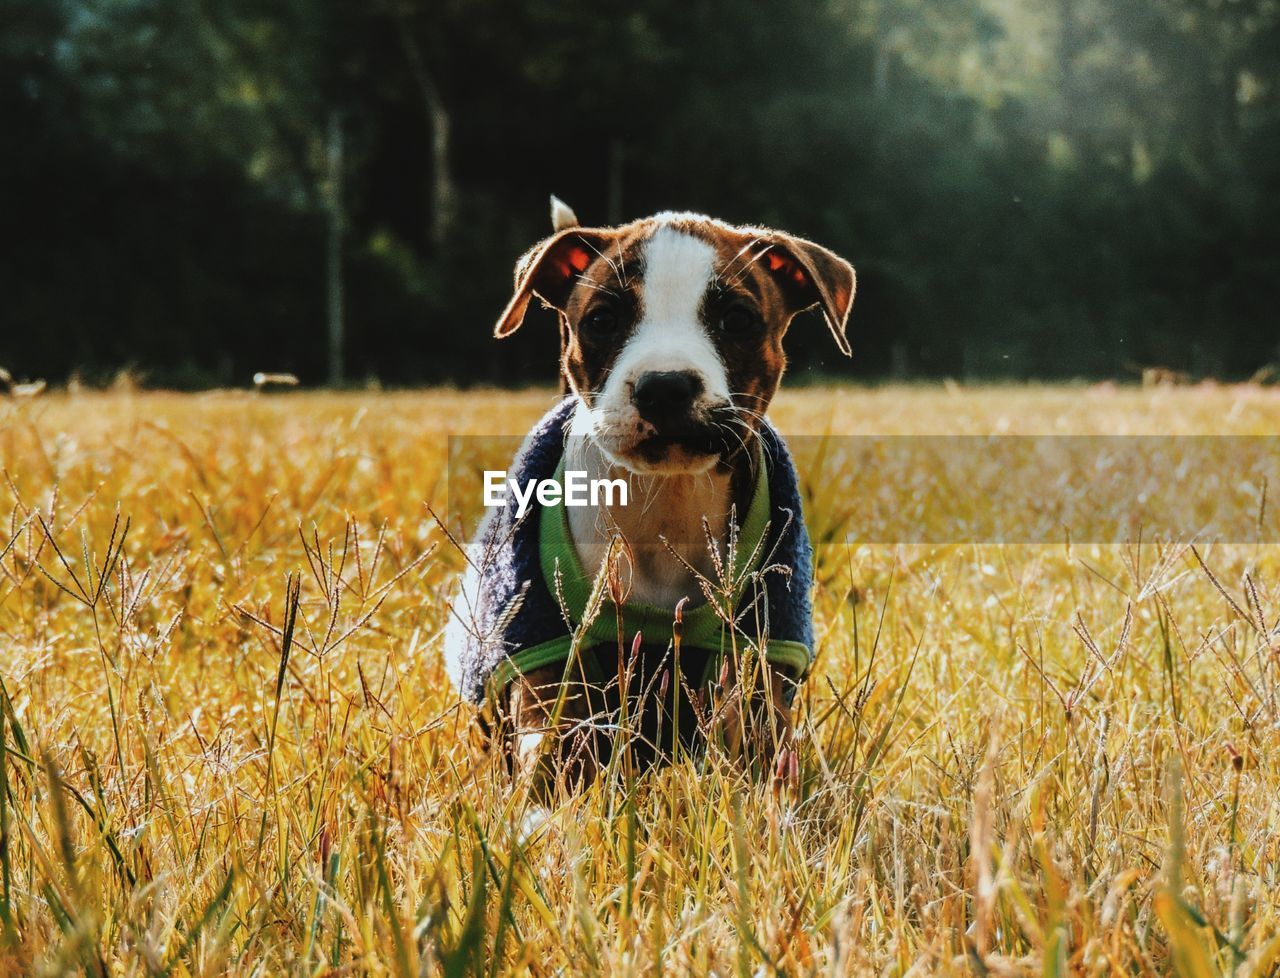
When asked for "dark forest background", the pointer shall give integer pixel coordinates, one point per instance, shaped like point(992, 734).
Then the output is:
point(1028, 188)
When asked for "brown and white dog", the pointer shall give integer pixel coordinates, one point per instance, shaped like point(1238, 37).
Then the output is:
point(671, 342)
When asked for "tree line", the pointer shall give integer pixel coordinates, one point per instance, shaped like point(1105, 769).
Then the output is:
point(1051, 188)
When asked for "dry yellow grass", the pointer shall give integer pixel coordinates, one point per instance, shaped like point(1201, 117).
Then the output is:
point(177, 799)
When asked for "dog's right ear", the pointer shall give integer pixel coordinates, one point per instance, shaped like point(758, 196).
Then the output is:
point(549, 270)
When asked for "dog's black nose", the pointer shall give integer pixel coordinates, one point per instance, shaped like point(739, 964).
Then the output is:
point(663, 396)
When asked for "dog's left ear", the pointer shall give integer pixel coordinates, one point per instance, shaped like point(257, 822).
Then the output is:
point(549, 270)
point(810, 275)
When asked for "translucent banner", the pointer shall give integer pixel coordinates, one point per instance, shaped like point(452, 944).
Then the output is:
point(954, 489)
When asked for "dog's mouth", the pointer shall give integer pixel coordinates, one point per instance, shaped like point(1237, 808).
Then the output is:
point(692, 446)
point(678, 452)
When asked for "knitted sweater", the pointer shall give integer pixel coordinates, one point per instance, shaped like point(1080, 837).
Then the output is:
point(527, 593)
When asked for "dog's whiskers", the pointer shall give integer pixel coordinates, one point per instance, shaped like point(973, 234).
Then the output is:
point(583, 280)
point(607, 260)
point(742, 272)
point(729, 270)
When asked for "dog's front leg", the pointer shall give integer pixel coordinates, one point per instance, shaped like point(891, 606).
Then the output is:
point(777, 726)
point(551, 741)
point(755, 719)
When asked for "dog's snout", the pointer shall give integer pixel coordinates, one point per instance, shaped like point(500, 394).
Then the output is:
point(666, 395)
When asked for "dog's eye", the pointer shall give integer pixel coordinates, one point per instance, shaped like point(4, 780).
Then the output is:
point(738, 321)
point(601, 321)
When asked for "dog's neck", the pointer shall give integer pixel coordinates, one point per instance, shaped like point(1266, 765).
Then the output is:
point(670, 507)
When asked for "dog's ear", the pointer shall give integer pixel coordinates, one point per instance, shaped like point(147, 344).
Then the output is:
point(810, 275)
point(549, 269)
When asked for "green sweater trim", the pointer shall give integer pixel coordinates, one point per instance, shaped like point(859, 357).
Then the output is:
point(786, 654)
point(703, 627)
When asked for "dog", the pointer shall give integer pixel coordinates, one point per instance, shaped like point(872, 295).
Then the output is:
point(671, 350)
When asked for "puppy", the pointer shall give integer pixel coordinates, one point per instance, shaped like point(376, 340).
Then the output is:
point(685, 608)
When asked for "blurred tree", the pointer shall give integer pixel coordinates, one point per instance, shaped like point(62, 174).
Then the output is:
point(1028, 187)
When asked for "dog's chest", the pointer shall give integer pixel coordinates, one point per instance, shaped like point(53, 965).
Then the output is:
point(664, 525)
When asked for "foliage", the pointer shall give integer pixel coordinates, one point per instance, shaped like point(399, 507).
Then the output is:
point(1034, 188)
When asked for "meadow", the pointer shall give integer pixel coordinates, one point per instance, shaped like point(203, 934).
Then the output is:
point(228, 746)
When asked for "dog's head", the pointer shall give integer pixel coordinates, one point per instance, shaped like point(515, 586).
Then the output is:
point(672, 328)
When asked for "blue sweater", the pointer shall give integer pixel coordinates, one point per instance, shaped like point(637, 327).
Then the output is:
point(510, 619)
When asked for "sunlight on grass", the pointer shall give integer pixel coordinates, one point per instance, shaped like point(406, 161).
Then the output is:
point(229, 746)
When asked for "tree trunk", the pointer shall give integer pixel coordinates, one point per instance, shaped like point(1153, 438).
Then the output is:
point(334, 256)
point(444, 203)
point(617, 156)
point(883, 60)
point(1071, 107)
point(444, 194)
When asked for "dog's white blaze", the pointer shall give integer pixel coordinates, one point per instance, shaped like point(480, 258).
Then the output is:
point(670, 336)
point(678, 269)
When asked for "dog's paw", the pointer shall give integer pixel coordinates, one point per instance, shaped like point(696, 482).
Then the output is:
point(533, 825)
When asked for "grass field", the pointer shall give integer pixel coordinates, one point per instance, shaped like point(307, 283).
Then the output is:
point(1014, 759)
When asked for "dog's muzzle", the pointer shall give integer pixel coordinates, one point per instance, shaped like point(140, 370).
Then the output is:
point(671, 403)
